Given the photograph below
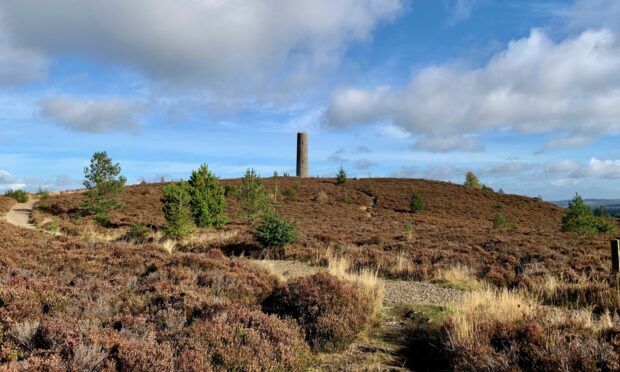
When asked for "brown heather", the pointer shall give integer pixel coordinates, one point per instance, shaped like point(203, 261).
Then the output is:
point(5, 204)
point(66, 304)
point(456, 229)
point(331, 311)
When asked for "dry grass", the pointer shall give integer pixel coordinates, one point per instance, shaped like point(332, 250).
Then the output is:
point(168, 245)
point(484, 308)
point(459, 277)
point(93, 236)
point(367, 279)
point(209, 237)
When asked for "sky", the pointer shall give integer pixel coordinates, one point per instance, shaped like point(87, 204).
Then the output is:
point(524, 93)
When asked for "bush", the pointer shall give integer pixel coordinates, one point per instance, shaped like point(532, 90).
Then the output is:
point(601, 211)
point(416, 203)
point(580, 219)
point(19, 195)
point(499, 222)
point(252, 197)
point(230, 190)
point(137, 233)
point(103, 185)
point(290, 194)
point(341, 177)
point(43, 194)
point(177, 210)
point(207, 199)
point(472, 181)
point(275, 231)
point(330, 311)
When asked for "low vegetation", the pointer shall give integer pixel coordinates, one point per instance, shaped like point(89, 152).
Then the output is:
point(18, 195)
point(341, 176)
point(252, 197)
point(416, 203)
point(207, 199)
point(176, 202)
point(330, 311)
point(6, 203)
point(273, 231)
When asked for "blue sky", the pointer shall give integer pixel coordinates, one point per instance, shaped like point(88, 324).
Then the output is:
point(524, 93)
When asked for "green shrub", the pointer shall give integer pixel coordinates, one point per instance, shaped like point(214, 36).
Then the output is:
point(252, 197)
point(275, 231)
point(19, 195)
point(472, 181)
point(416, 203)
point(409, 230)
point(176, 201)
point(43, 194)
point(487, 188)
point(103, 183)
point(230, 190)
point(331, 312)
point(580, 219)
point(137, 233)
point(290, 194)
point(341, 177)
point(207, 199)
point(499, 222)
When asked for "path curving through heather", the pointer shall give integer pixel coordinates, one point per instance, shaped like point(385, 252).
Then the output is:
point(396, 291)
point(20, 214)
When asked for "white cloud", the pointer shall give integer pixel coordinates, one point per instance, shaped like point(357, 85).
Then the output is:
point(237, 44)
point(449, 143)
point(583, 14)
point(597, 168)
point(8, 181)
point(460, 10)
point(535, 85)
point(93, 116)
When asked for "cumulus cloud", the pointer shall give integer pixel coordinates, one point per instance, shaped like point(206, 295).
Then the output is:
point(448, 144)
point(209, 42)
point(8, 181)
point(535, 85)
point(93, 116)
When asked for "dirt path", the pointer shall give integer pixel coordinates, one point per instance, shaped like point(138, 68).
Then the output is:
point(20, 213)
point(396, 291)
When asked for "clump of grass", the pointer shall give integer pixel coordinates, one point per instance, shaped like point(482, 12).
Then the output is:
point(19, 195)
point(409, 230)
point(137, 233)
point(458, 277)
point(499, 222)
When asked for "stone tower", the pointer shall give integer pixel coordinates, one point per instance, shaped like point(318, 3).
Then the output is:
point(302, 155)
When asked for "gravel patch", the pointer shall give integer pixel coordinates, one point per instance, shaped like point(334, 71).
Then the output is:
point(396, 291)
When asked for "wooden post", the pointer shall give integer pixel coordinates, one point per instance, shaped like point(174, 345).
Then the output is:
point(615, 256)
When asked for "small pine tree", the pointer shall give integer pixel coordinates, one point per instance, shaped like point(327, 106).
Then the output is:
point(274, 231)
point(252, 196)
point(499, 222)
point(208, 201)
point(472, 181)
point(416, 203)
point(103, 183)
point(579, 217)
point(176, 201)
point(341, 177)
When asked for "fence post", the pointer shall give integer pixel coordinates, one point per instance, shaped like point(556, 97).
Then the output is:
point(615, 256)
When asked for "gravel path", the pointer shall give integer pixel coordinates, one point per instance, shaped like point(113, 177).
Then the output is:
point(396, 291)
point(20, 213)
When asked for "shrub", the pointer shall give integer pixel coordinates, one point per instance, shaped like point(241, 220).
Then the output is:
point(341, 177)
point(487, 188)
point(252, 197)
point(409, 230)
point(19, 195)
point(207, 199)
point(499, 222)
point(43, 194)
point(290, 194)
point(416, 203)
point(275, 231)
point(137, 233)
point(472, 181)
point(176, 201)
point(230, 190)
point(580, 219)
point(330, 311)
point(103, 183)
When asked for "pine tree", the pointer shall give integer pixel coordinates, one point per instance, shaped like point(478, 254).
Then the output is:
point(252, 197)
point(103, 183)
point(341, 177)
point(472, 181)
point(208, 202)
point(177, 210)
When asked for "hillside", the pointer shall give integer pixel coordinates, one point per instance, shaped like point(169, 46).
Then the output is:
point(365, 221)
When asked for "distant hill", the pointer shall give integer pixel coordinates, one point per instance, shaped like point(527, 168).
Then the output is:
point(612, 205)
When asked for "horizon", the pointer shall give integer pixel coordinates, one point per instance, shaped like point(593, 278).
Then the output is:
point(526, 94)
